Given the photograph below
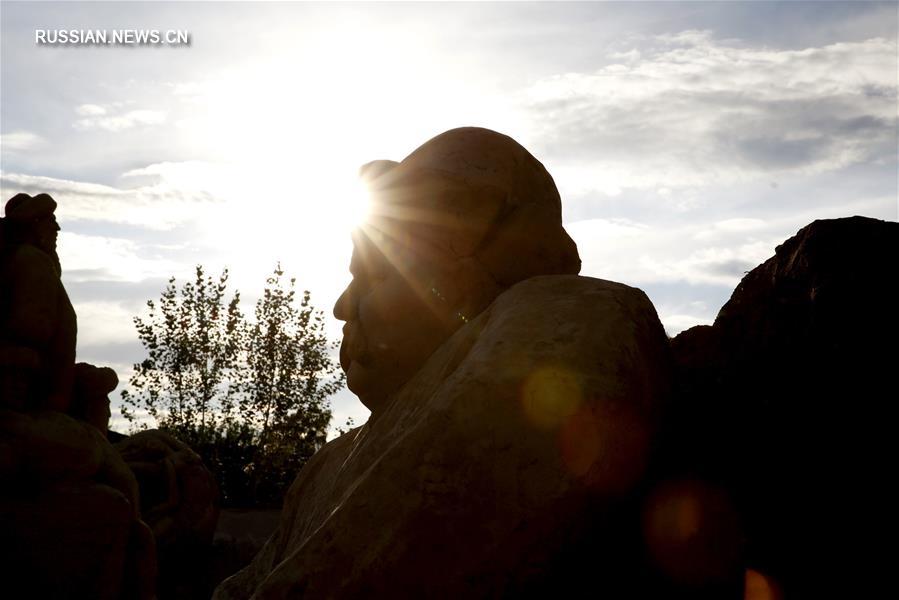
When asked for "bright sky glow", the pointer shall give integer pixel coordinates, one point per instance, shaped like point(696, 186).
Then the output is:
point(687, 139)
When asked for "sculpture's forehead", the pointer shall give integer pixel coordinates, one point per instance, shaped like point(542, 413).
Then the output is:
point(468, 159)
point(434, 214)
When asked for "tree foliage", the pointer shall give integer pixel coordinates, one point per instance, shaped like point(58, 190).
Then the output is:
point(291, 375)
point(251, 397)
point(194, 340)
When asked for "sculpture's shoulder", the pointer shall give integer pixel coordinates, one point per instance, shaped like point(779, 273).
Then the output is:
point(566, 318)
point(556, 289)
point(585, 325)
point(27, 270)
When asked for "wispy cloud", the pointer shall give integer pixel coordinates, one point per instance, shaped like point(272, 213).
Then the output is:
point(707, 256)
point(639, 253)
point(111, 323)
point(692, 110)
point(19, 141)
point(202, 178)
point(90, 110)
point(155, 205)
point(111, 259)
point(115, 117)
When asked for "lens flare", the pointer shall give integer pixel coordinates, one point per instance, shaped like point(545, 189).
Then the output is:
point(761, 587)
point(550, 396)
point(580, 442)
point(693, 532)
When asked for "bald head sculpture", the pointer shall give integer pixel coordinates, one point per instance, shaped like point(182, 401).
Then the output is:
point(461, 219)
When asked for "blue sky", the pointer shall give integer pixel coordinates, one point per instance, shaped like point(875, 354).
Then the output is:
point(687, 138)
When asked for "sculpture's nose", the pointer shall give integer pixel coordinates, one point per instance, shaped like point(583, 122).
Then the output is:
point(345, 307)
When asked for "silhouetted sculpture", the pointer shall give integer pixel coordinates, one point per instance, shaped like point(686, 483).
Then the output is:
point(90, 395)
point(69, 508)
point(179, 501)
point(514, 404)
point(37, 321)
point(69, 513)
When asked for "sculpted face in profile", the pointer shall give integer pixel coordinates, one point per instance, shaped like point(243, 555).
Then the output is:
point(461, 219)
point(389, 327)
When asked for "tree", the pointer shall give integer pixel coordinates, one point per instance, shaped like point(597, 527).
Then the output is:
point(291, 376)
point(250, 398)
point(193, 340)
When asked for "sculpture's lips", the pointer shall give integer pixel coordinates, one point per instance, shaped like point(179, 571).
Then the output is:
point(353, 348)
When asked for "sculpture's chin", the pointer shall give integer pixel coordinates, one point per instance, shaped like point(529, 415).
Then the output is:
point(363, 382)
point(355, 376)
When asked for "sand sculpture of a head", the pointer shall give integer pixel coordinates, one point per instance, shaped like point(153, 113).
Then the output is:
point(31, 220)
point(464, 217)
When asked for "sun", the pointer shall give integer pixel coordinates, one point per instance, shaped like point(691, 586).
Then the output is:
point(293, 127)
point(358, 204)
point(332, 205)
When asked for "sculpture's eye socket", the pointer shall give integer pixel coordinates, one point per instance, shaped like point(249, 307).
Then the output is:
point(373, 255)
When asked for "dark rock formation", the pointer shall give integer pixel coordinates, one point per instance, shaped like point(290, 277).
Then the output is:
point(179, 501)
point(513, 414)
point(783, 401)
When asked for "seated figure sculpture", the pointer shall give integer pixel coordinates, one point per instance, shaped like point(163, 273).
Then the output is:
point(37, 321)
point(69, 505)
point(513, 403)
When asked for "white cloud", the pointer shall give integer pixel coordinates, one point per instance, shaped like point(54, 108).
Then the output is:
point(90, 110)
point(18, 141)
point(723, 264)
point(157, 205)
point(729, 227)
point(117, 259)
point(119, 423)
point(194, 177)
point(181, 214)
point(674, 324)
point(689, 110)
point(114, 117)
point(104, 323)
point(696, 251)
